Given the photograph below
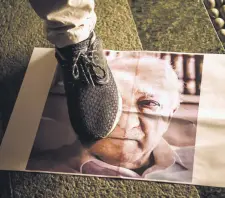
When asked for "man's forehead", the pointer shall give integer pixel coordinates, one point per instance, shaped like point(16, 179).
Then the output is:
point(147, 74)
point(141, 66)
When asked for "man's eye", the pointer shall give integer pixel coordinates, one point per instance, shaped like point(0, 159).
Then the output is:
point(148, 103)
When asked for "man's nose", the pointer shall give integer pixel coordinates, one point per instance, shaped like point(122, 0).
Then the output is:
point(129, 120)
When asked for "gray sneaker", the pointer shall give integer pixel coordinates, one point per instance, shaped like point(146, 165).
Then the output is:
point(94, 103)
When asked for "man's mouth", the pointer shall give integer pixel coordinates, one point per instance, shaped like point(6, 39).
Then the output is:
point(134, 134)
point(122, 139)
point(126, 141)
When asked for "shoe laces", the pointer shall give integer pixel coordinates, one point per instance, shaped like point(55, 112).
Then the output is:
point(87, 68)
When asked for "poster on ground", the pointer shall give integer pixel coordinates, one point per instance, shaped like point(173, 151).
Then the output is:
point(172, 126)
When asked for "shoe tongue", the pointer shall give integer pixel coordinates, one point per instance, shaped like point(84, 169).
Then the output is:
point(69, 51)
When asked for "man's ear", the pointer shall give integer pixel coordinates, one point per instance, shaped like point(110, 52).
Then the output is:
point(170, 116)
point(172, 113)
point(176, 108)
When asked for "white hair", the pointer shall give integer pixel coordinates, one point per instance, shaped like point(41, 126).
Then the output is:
point(148, 63)
point(162, 69)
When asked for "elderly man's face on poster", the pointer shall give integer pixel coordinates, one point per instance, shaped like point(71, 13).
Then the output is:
point(150, 93)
